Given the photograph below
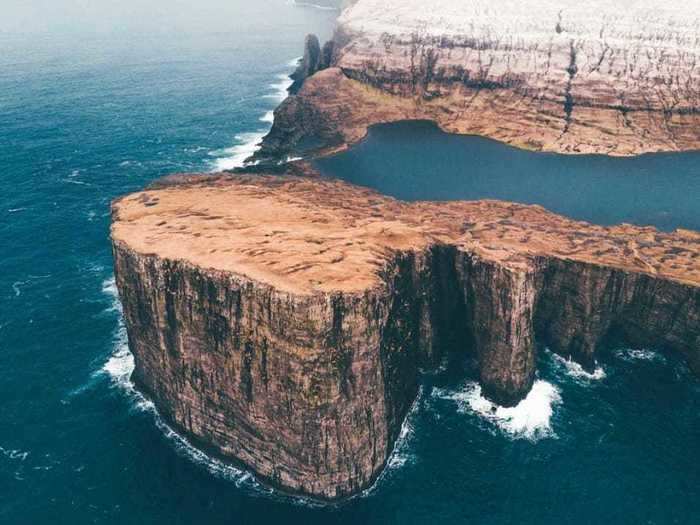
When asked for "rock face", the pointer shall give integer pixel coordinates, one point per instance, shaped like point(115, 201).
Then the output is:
point(566, 76)
point(282, 321)
point(314, 60)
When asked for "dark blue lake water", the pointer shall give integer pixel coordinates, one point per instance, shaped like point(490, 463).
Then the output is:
point(661, 190)
point(92, 111)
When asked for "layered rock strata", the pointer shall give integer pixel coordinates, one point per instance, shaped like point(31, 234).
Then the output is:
point(282, 321)
point(566, 76)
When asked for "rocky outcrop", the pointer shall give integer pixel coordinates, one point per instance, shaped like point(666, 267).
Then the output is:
point(282, 321)
point(314, 60)
point(573, 77)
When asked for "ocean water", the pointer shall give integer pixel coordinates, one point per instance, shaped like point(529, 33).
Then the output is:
point(424, 163)
point(92, 111)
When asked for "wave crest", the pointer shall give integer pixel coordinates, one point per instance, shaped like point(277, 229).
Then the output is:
point(236, 156)
point(576, 371)
point(639, 354)
point(530, 419)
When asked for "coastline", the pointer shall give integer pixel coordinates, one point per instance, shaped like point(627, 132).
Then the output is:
point(360, 292)
point(512, 78)
point(334, 109)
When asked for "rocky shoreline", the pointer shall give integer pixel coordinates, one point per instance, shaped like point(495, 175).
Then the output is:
point(292, 340)
point(566, 77)
point(281, 321)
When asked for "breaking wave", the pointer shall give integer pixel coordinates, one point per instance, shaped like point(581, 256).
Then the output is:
point(576, 371)
point(236, 156)
point(530, 419)
point(119, 368)
point(247, 144)
point(280, 88)
point(402, 453)
point(639, 354)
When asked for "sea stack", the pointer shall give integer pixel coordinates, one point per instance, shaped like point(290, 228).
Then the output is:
point(281, 321)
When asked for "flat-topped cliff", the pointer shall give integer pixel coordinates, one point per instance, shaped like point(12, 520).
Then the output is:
point(616, 78)
point(282, 321)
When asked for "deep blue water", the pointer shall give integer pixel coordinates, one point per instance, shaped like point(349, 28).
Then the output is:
point(88, 115)
point(661, 190)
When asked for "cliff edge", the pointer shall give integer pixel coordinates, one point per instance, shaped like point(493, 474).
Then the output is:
point(282, 321)
point(566, 76)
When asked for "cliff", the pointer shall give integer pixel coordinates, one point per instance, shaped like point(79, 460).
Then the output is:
point(616, 78)
point(281, 321)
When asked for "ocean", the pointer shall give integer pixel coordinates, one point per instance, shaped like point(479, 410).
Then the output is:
point(95, 105)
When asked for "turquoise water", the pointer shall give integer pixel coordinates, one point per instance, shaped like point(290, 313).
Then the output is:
point(661, 190)
point(89, 115)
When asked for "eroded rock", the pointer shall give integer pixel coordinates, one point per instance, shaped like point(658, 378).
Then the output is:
point(282, 321)
point(616, 78)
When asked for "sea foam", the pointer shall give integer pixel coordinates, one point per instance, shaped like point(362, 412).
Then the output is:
point(576, 371)
point(530, 419)
point(235, 156)
point(14, 454)
point(280, 88)
point(268, 117)
point(639, 354)
point(119, 367)
point(246, 144)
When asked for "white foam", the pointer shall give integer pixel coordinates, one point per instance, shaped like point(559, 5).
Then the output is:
point(530, 419)
point(247, 144)
point(14, 454)
point(16, 286)
point(294, 62)
point(120, 364)
point(402, 453)
point(639, 354)
point(119, 368)
point(236, 156)
point(109, 287)
point(280, 88)
point(576, 371)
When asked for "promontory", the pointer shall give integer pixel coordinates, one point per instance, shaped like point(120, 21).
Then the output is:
point(281, 321)
point(617, 78)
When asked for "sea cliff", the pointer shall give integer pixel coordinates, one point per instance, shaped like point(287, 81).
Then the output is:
point(281, 322)
point(570, 77)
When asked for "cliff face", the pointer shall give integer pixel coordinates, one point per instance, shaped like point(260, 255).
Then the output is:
point(293, 387)
point(580, 305)
point(291, 341)
point(573, 77)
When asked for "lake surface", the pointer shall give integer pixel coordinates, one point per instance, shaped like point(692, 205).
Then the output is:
point(417, 161)
point(93, 112)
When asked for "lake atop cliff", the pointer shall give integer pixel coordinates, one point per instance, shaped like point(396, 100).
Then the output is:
point(86, 118)
point(417, 161)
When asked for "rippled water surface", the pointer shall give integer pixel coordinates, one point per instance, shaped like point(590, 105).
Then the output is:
point(86, 117)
